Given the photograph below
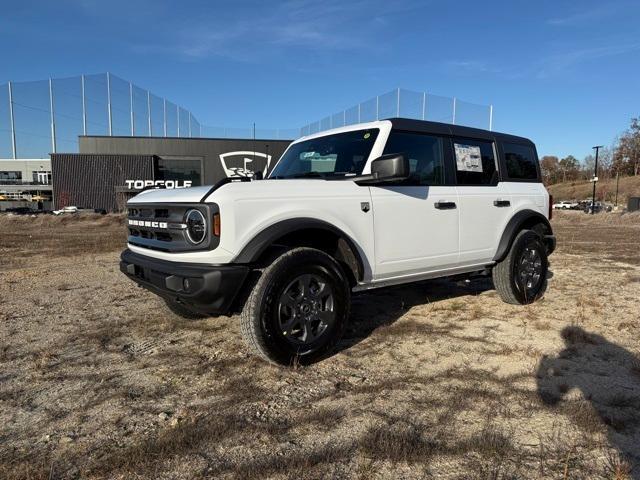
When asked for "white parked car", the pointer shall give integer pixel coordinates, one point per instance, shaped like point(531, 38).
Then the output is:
point(65, 210)
point(343, 211)
point(566, 205)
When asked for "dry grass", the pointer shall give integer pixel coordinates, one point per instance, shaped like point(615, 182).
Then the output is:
point(434, 380)
point(606, 189)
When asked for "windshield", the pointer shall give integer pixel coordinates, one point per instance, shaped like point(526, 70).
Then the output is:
point(331, 156)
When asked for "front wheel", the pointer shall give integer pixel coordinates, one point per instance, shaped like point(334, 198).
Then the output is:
point(298, 308)
point(521, 277)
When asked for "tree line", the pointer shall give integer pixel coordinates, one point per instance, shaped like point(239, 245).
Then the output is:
point(622, 158)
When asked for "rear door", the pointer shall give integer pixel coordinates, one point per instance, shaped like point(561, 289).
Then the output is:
point(416, 222)
point(484, 201)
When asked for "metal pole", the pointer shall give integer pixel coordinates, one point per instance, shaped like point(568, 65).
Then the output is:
point(595, 175)
point(53, 121)
point(109, 103)
point(164, 115)
point(490, 117)
point(178, 110)
point(13, 124)
point(398, 104)
point(133, 129)
point(84, 108)
point(189, 124)
point(344, 118)
point(454, 110)
point(377, 108)
point(149, 113)
point(359, 112)
point(424, 104)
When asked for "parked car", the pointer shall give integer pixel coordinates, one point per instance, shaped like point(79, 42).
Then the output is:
point(597, 207)
point(343, 211)
point(566, 205)
point(65, 210)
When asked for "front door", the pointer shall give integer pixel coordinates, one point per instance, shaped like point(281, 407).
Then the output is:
point(415, 222)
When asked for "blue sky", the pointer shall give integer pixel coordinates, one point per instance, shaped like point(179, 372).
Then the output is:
point(564, 73)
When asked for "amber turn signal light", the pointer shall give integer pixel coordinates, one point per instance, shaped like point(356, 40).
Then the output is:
point(216, 224)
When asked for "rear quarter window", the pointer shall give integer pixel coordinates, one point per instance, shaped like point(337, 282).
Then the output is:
point(521, 161)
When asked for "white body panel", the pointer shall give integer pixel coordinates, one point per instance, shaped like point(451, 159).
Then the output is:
point(481, 222)
point(411, 235)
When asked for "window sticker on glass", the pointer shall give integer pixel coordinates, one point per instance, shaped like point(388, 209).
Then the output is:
point(468, 158)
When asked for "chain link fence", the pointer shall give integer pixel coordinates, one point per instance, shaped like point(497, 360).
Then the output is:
point(407, 104)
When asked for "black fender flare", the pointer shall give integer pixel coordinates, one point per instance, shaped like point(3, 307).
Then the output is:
point(252, 251)
point(522, 219)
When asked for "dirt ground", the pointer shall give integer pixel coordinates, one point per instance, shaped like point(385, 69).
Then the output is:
point(434, 380)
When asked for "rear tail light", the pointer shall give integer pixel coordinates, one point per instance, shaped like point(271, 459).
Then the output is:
point(216, 224)
point(550, 206)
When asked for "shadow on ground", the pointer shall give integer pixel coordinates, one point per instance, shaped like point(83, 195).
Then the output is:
point(609, 378)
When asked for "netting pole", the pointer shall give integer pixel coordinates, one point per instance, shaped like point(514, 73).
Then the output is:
point(13, 123)
point(178, 112)
point(424, 104)
point(490, 117)
point(377, 107)
point(133, 129)
point(149, 113)
point(109, 103)
point(53, 121)
point(358, 113)
point(454, 111)
point(164, 115)
point(189, 124)
point(398, 104)
point(84, 107)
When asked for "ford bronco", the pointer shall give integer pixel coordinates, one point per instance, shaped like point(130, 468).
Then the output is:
point(343, 211)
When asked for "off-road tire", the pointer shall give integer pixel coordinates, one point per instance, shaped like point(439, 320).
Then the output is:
point(183, 311)
point(505, 273)
point(259, 318)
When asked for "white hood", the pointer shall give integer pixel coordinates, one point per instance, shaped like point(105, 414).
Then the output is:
point(172, 195)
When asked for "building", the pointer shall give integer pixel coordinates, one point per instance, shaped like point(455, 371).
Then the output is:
point(110, 170)
point(25, 183)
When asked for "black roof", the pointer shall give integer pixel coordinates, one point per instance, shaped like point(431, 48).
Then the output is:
point(424, 126)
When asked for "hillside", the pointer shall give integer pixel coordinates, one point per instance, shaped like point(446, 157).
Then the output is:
point(605, 190)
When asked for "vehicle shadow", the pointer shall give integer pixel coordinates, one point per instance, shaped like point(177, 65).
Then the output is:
point(380, 307)
point(609, 378)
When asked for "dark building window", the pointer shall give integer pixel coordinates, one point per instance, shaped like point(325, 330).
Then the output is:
point(179, 169)
point(521, 161)
point(475, 162)
point(8, 177)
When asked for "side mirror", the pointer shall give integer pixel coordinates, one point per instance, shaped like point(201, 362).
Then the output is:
point(258, 175)
point(387, 168)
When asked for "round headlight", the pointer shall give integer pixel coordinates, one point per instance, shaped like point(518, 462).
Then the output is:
point(196, 226)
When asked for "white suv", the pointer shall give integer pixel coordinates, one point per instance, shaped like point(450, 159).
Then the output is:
point(342, 211)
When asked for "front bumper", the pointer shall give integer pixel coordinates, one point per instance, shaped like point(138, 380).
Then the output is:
point(208, 289)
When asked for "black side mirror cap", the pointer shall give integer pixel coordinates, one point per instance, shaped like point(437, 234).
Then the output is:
point(387, 169)
point(258, 175)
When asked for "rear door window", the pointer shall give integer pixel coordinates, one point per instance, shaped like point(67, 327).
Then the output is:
point(475, 162)
point(521, 161)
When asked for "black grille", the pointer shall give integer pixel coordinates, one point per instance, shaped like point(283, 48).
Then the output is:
point(163, 227)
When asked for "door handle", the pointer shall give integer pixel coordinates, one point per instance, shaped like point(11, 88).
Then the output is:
point(445, 205)
point(501, 203)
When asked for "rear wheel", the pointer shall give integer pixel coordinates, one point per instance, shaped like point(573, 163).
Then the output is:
point(521, 277)
point(297, 309)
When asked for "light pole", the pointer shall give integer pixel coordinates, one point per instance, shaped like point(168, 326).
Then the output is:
point(595, 180)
